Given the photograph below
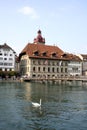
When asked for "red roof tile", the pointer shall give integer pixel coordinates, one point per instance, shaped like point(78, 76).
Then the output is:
point(41, 48)
point(51, 52)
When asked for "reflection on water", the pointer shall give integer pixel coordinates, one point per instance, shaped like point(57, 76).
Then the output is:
point(63, 107)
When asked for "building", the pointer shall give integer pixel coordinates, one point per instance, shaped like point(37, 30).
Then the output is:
point(74, 66)
point(83, 57)
point(38, 60)
point(7, 58)
point(17, 64)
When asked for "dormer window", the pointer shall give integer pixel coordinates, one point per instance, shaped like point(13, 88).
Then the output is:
point(64, 55)
point(54, 54)
point(44, 53)
point(36, 53)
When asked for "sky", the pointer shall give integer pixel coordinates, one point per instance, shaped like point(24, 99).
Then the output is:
point(63, 23)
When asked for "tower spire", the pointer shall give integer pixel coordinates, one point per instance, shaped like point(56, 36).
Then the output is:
point(39, 38)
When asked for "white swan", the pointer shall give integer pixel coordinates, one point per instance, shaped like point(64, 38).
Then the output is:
point(36, 104)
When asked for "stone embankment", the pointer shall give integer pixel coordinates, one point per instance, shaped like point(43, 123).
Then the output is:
point(10, 80)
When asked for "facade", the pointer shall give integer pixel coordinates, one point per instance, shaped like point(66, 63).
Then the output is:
point(75, 68)
point(83, 57)
point(38, 60)
point(17, 64)
point(7, 58)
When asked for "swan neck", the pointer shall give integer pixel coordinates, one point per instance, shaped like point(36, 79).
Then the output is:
point(40, 101)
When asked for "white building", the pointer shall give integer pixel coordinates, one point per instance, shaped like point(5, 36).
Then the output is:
point(75, 68)
point(83, 57)
point(7, 58)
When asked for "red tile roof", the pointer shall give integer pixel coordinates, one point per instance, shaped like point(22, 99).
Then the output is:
point(30, 49)
point(51, 52)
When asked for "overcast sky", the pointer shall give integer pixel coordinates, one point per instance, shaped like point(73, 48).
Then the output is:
point(63, 23)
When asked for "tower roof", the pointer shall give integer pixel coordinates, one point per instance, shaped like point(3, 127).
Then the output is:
point(39, 32)
point(39, 38)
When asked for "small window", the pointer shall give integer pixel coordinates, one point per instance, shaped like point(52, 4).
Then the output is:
point(57, 70)
point(5, 54)
point(10, 54)
point(1, 63)
point(38, 69)
point(44, 69)
point(44, 54)
point(53, 54)
point(1, 58)
point(5, 64)
point(64, 55)
point(66, 70)
point(36, 53)
point(5, 58)
point(10, 64)
point(48, 69)
point(52, 69)
point(34, 69)
point(10, 59)
point(34, 62)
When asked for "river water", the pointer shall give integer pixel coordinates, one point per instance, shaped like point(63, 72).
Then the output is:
point(64, 107)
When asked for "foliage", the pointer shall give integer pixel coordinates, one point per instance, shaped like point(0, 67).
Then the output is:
point(8, 73)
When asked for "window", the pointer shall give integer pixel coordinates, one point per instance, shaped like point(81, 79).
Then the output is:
point(1, 63)
point(53, 63)
point(61, 70)
point(5, 54)
point(5, 64)
point(39, 62)
point(10, 64)
point(5, 58)
point(34, 62)
point(66, 70)
point(10, 54)
point(10, 59)
point(48, 69)
point(52, 69)
point(39, 69)
point(0, 54)
point(44, 54)
point(36, 53)
point(66, 63)
point(62, 64)
point(54, 54)
point(44, 69)
point(1, 58)
point(58, 70)
point(58, 63)
point(34, 69)
point(75, 69)
point(34, 76)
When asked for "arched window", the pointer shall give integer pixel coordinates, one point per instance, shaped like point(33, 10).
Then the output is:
point(38, 69)
point(48, 69)
point(33, 69)
point(57, 70)
point(53, 69)
point(44, 69)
